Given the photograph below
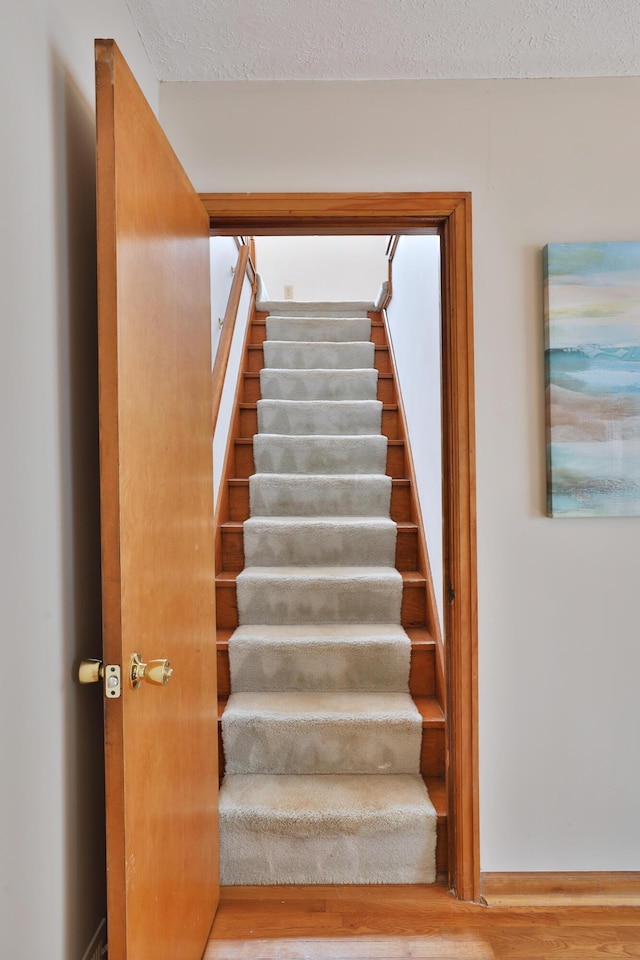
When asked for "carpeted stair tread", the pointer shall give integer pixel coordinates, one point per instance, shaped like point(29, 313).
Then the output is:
point(306, 801)
point(320, 454)
point(321, 732)
point(338, 657)
point(319, 541)
point(292, 355)
point(346, 495)
point(292, 594)
point(326, 829)
point(320, 384)
point(318, 329)
point(324, 417)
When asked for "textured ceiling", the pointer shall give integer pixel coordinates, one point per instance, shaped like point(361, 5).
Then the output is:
point(388, 39)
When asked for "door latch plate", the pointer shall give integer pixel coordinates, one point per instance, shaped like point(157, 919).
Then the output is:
point(112, 681)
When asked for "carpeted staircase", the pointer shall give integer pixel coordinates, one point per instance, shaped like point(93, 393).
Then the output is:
point(322, 740)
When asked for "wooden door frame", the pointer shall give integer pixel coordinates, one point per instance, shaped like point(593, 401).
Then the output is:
point(449, 215)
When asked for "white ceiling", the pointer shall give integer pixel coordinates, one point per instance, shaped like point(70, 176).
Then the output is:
point(388, 39)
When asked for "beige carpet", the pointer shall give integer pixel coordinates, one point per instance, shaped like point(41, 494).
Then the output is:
point(321, 738)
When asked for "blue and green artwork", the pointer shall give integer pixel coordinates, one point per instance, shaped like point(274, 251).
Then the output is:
point(592, 324)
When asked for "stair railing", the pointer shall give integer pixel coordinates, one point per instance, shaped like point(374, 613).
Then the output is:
point(244, 268)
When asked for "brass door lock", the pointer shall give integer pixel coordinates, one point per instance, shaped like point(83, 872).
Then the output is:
point(157, 672)
point(92, 671)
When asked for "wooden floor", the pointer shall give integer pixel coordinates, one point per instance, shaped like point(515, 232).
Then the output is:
point(422, 923)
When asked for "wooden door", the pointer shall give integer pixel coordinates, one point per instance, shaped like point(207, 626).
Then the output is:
point(157, 530)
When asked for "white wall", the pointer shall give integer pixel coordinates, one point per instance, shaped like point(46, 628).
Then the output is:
point(546, 161)
point(414, 325)
point(51, 803)
point(322, 268)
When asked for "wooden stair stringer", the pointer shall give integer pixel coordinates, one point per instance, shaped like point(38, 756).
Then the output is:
point(221, 513)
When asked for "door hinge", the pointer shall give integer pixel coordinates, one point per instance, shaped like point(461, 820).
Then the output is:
point(451, 594)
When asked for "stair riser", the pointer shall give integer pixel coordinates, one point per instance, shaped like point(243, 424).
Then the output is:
point(389, 427)
point(239, 501)
point(258, 333)
point(245, 465)
point(381, 361)
point(406, 551)
point(414, 605)
point(251, 390)
point(381, 857)
point(318, 330)
point(412, 611)
point(337, 385)
point(303, 308)
point(262, 745)
point(422, 672)
point(309, 545)
point(432, 755)
point(322, 417)
point(318, 356)
point(442, 842)
point(271, 496)
point(273, 601)
point(442, 848)
point(333, 666)
point(320, 455)
point(421, 675)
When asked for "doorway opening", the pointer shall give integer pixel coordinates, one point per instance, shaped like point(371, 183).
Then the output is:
point(447, 216)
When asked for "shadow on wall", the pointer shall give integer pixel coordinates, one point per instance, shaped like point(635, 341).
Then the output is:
point(75, 179)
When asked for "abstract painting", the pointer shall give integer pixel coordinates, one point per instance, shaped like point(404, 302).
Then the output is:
point(592, 327)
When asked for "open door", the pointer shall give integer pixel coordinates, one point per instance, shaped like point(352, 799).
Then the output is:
point(157, 532)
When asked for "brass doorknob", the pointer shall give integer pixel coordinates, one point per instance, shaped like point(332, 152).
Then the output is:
point(90, 671)
point(157, 672)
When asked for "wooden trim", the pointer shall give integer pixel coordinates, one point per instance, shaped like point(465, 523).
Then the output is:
point(107, 61)
point(226, 337)
point(448, 214)
point(252, 272)
point(460, 559)
point(251, 262)
point(222, 504)
point(607, 889)
point(264, 214)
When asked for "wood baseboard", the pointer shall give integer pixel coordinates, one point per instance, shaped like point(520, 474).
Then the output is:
point(589, 888)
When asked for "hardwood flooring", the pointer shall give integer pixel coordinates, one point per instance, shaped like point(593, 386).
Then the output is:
point(421, 923)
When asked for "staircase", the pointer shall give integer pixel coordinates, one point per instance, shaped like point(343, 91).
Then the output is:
point(332, 736)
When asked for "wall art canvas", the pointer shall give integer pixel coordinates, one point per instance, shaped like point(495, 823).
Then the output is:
point(592, 325)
